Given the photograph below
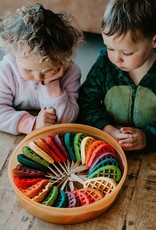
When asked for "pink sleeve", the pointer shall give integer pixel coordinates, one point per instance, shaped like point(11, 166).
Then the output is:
point(26, 124)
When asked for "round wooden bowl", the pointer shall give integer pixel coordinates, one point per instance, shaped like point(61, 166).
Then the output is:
point(68, 215)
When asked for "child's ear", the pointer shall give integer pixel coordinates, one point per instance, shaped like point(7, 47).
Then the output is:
point(154, 41)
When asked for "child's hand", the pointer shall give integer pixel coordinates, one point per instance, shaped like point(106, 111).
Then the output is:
point(116, 133)
point(46, 117)
point(137, 141)
point(128, 138)
point(53, 75)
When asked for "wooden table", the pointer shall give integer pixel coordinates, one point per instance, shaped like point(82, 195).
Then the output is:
point(134, 209)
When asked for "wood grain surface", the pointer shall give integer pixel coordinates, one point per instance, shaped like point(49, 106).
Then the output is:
point(135, 208)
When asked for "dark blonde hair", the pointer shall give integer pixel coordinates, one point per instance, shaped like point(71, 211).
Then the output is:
point(47, 33)
point(136, 16)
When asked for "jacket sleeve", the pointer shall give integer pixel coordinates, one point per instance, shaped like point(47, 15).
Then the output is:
point(9, 116)
point(91, 97)
point(150, 132)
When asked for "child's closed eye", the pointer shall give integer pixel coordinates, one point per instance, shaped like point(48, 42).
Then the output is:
point(110, 49)
point(27, 70)
point(127, 54)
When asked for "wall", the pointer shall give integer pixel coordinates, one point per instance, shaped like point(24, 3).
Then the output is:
point(87, 14)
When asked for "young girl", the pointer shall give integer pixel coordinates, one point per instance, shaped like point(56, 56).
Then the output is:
point(38, 74)
point(119, 94)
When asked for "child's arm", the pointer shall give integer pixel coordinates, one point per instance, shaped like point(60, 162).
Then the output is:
point(65, 104)
point(9, 116)
point(150, 133)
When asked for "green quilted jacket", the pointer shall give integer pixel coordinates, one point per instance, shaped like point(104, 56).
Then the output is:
point(109, 96)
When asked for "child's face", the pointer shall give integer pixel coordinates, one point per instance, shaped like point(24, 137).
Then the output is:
point(30, 68)
point(126, 54)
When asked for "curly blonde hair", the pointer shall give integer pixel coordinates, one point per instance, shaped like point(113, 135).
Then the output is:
point(47, 33)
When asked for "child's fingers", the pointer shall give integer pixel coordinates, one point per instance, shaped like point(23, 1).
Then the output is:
point(51, 110)
point(43, 108)
point(129, 130)
point(45, 118)
point(122, 136)
point(50, 122)
point(125, 141)
point(50, 116)
point(129, 144)
point(54, 77)
point(129, 147)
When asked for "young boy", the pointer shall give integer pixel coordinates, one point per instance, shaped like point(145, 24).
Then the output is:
point(119, 94)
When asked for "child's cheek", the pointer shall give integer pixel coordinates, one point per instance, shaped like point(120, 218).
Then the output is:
point(26, 75)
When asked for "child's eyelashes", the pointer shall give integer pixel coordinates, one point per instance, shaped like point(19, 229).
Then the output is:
point(44, 71)
point(110, 49)
point(127, 54)
point(27, 70)
point(124, 53)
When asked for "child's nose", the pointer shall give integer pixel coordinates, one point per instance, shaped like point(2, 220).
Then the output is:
point(117, 58)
